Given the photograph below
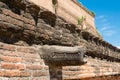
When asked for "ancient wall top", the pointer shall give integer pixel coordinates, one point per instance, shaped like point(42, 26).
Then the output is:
point(82, 6)
point(71, 11)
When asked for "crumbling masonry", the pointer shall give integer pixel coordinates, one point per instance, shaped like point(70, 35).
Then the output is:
point(41, 40)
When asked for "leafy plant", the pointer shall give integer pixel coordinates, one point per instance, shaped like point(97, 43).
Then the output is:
point(81, 19)
point(93, 13)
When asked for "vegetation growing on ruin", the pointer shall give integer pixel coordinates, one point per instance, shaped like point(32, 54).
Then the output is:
point(93, 13)
point(81, 19)
point(54, 5)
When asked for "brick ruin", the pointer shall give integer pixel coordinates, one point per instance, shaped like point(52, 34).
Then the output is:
point(41, 40)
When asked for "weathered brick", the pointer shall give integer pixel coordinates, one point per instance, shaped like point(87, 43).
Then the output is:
point(26, 49)
point(11, 20)
point(29, 27)
point(11, 59)
point(12, 66)
point(71, 68)
point(27, 55)
point(71, 72)
point(40, 73)
point(11, 73)
point(29, 60)
point(24, 78)
point(46, 67)
point(1, 73)
point(9, 53)
point(7, 47)
point(35, 67)
point(40, 78)
point(19, 54)
point(25, 74)
point(13, 15)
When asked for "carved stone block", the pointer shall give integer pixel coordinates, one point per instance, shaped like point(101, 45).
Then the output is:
point(62, 53)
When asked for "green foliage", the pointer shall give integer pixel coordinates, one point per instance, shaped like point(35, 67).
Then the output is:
point(99, 34)
point(81, 19)
point(93, 13)
point(54, 5)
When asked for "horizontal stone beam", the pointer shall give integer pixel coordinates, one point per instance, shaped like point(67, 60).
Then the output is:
point(62, 53)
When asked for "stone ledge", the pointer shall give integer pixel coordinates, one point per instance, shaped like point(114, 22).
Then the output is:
point(62, 54)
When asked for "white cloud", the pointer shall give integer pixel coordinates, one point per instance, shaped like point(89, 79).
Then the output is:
point(104, 28)
point(106, 24)
point(100, 17)
point(109, 32)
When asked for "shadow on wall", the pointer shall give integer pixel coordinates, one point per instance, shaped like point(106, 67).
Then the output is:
point(55, 68)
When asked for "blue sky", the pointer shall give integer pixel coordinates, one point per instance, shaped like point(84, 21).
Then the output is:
point(107, 18)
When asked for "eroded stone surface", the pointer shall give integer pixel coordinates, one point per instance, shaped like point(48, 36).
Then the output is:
point(38, 26)
point(62, 53)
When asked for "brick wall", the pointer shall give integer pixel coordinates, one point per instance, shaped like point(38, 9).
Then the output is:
point(21, 63)
point(24, 63)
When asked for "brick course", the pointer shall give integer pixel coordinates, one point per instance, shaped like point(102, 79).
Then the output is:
point(15, 63)
point(24, 63)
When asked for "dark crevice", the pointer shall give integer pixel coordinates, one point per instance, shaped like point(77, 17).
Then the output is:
point(48, 17)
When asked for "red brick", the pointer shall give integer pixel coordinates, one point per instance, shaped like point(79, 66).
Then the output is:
point(14, 73)
point(35, 67)
point(12, 66)
point(25, 74)
point(11, 73)
point(40, 78)
point(9, 53)
point(40, 73)
point(1, 73)
point(29, 60)
point(29, 55)
point(11, 59)
point(24, 78)
point(46, 68)
point(26, 49)
point(7, 47)
point(13, 15)
point(11, 20)
point(30, 27)
point(71, 72)
point(19, 54)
